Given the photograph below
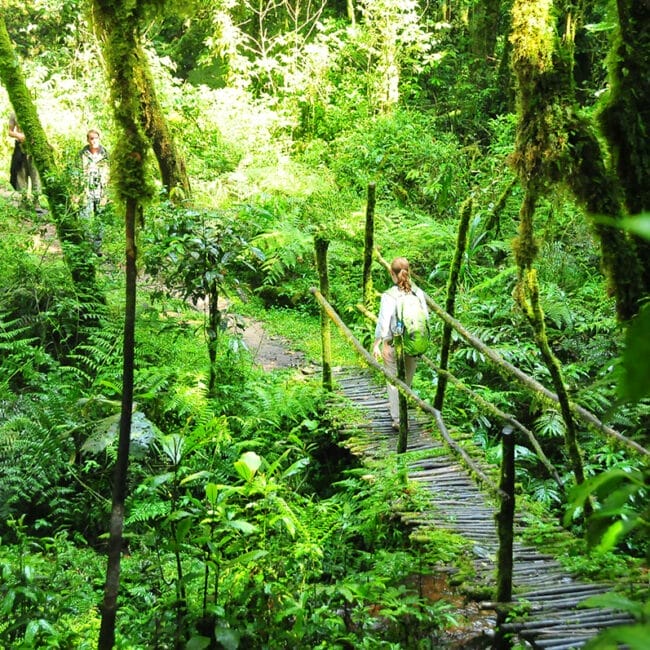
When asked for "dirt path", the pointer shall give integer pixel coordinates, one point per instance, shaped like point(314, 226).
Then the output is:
point(271, 352)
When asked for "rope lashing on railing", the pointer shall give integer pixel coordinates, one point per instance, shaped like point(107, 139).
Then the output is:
point(585, 415)
point(393, 379)
point(482, 402)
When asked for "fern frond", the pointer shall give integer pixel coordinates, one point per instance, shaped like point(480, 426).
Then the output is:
point(283, 250)
point(557, 308)
point(147, 511)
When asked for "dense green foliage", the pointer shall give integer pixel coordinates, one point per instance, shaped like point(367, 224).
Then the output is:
point(247, 524)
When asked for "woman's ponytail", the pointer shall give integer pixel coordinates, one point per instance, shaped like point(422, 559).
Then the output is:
point(400, 268)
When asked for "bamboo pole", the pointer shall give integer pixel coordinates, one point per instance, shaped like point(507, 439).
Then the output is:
point(502, 415)
point(368, 248)
point(524, 379)
point(450, 304)
point(402, 439)
point(494, 221)
point(505, 518)
point(320, 246)
point(425, 406)
point(527, 296)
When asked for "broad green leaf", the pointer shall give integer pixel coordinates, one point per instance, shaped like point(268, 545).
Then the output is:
point(612, 534)
point(612, 600)
point(603, 26)
point(36, 626)
point(198, 643)
point(195, 476)
point(211, 492)
point(103, 434)
point(183, 528)
point(243, 526)
point(635, 380)
point(580, 493)
point(7, 604)
point(173, 446)
point(161, 479)
point(247, 465)
point(295, 468)
point(635, 637)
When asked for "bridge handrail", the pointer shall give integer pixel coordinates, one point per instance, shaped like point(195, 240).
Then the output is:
point(585, 415)
point(393, 379)
point(488, 406)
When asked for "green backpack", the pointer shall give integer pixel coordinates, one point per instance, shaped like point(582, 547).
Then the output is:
point(411, 318)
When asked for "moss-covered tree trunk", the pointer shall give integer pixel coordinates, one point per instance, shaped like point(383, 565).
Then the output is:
point(368, 249)
point(556, 144)
point(171, 163)
point(450, 305)
point(626, 116)
point(484, 27)
point(528, 299)
point(119, 22)
point(76, 250)
point(542, 152)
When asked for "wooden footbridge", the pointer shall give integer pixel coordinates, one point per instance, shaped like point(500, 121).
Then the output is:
point(466, 499)
point(549, 595)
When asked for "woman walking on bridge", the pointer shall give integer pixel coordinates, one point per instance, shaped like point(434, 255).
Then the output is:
point(390, 323)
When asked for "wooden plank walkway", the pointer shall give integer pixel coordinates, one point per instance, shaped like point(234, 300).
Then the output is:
point(552, 620)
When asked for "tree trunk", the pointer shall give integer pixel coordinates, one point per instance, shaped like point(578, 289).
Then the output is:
point(528, 299)
point(557, 145)
point(505, 524)
point(626, 119)
point(111, 587)
point(214, 326)
point(484, 27)
point(170, 162)
point(76, 250)
point(320, 248)
point(349, 5)
point(450, 305)
point(119, 24)
point(369, 245)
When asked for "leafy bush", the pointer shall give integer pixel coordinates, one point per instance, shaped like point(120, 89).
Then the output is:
point(407, 158)
point(45, 601)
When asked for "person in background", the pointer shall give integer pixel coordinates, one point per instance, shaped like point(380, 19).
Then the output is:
point(23, 174)
point(387, 325)
point(94, 165)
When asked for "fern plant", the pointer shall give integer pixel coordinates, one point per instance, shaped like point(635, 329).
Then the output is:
point(36, 447)
point(24, 362)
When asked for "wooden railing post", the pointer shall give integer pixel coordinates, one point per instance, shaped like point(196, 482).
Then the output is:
point(320, 246)
point(368, 249)
point(403, 403)
point(505, 525)
point(452, 288)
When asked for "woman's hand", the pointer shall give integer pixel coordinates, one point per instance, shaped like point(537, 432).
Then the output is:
point(17, 134)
